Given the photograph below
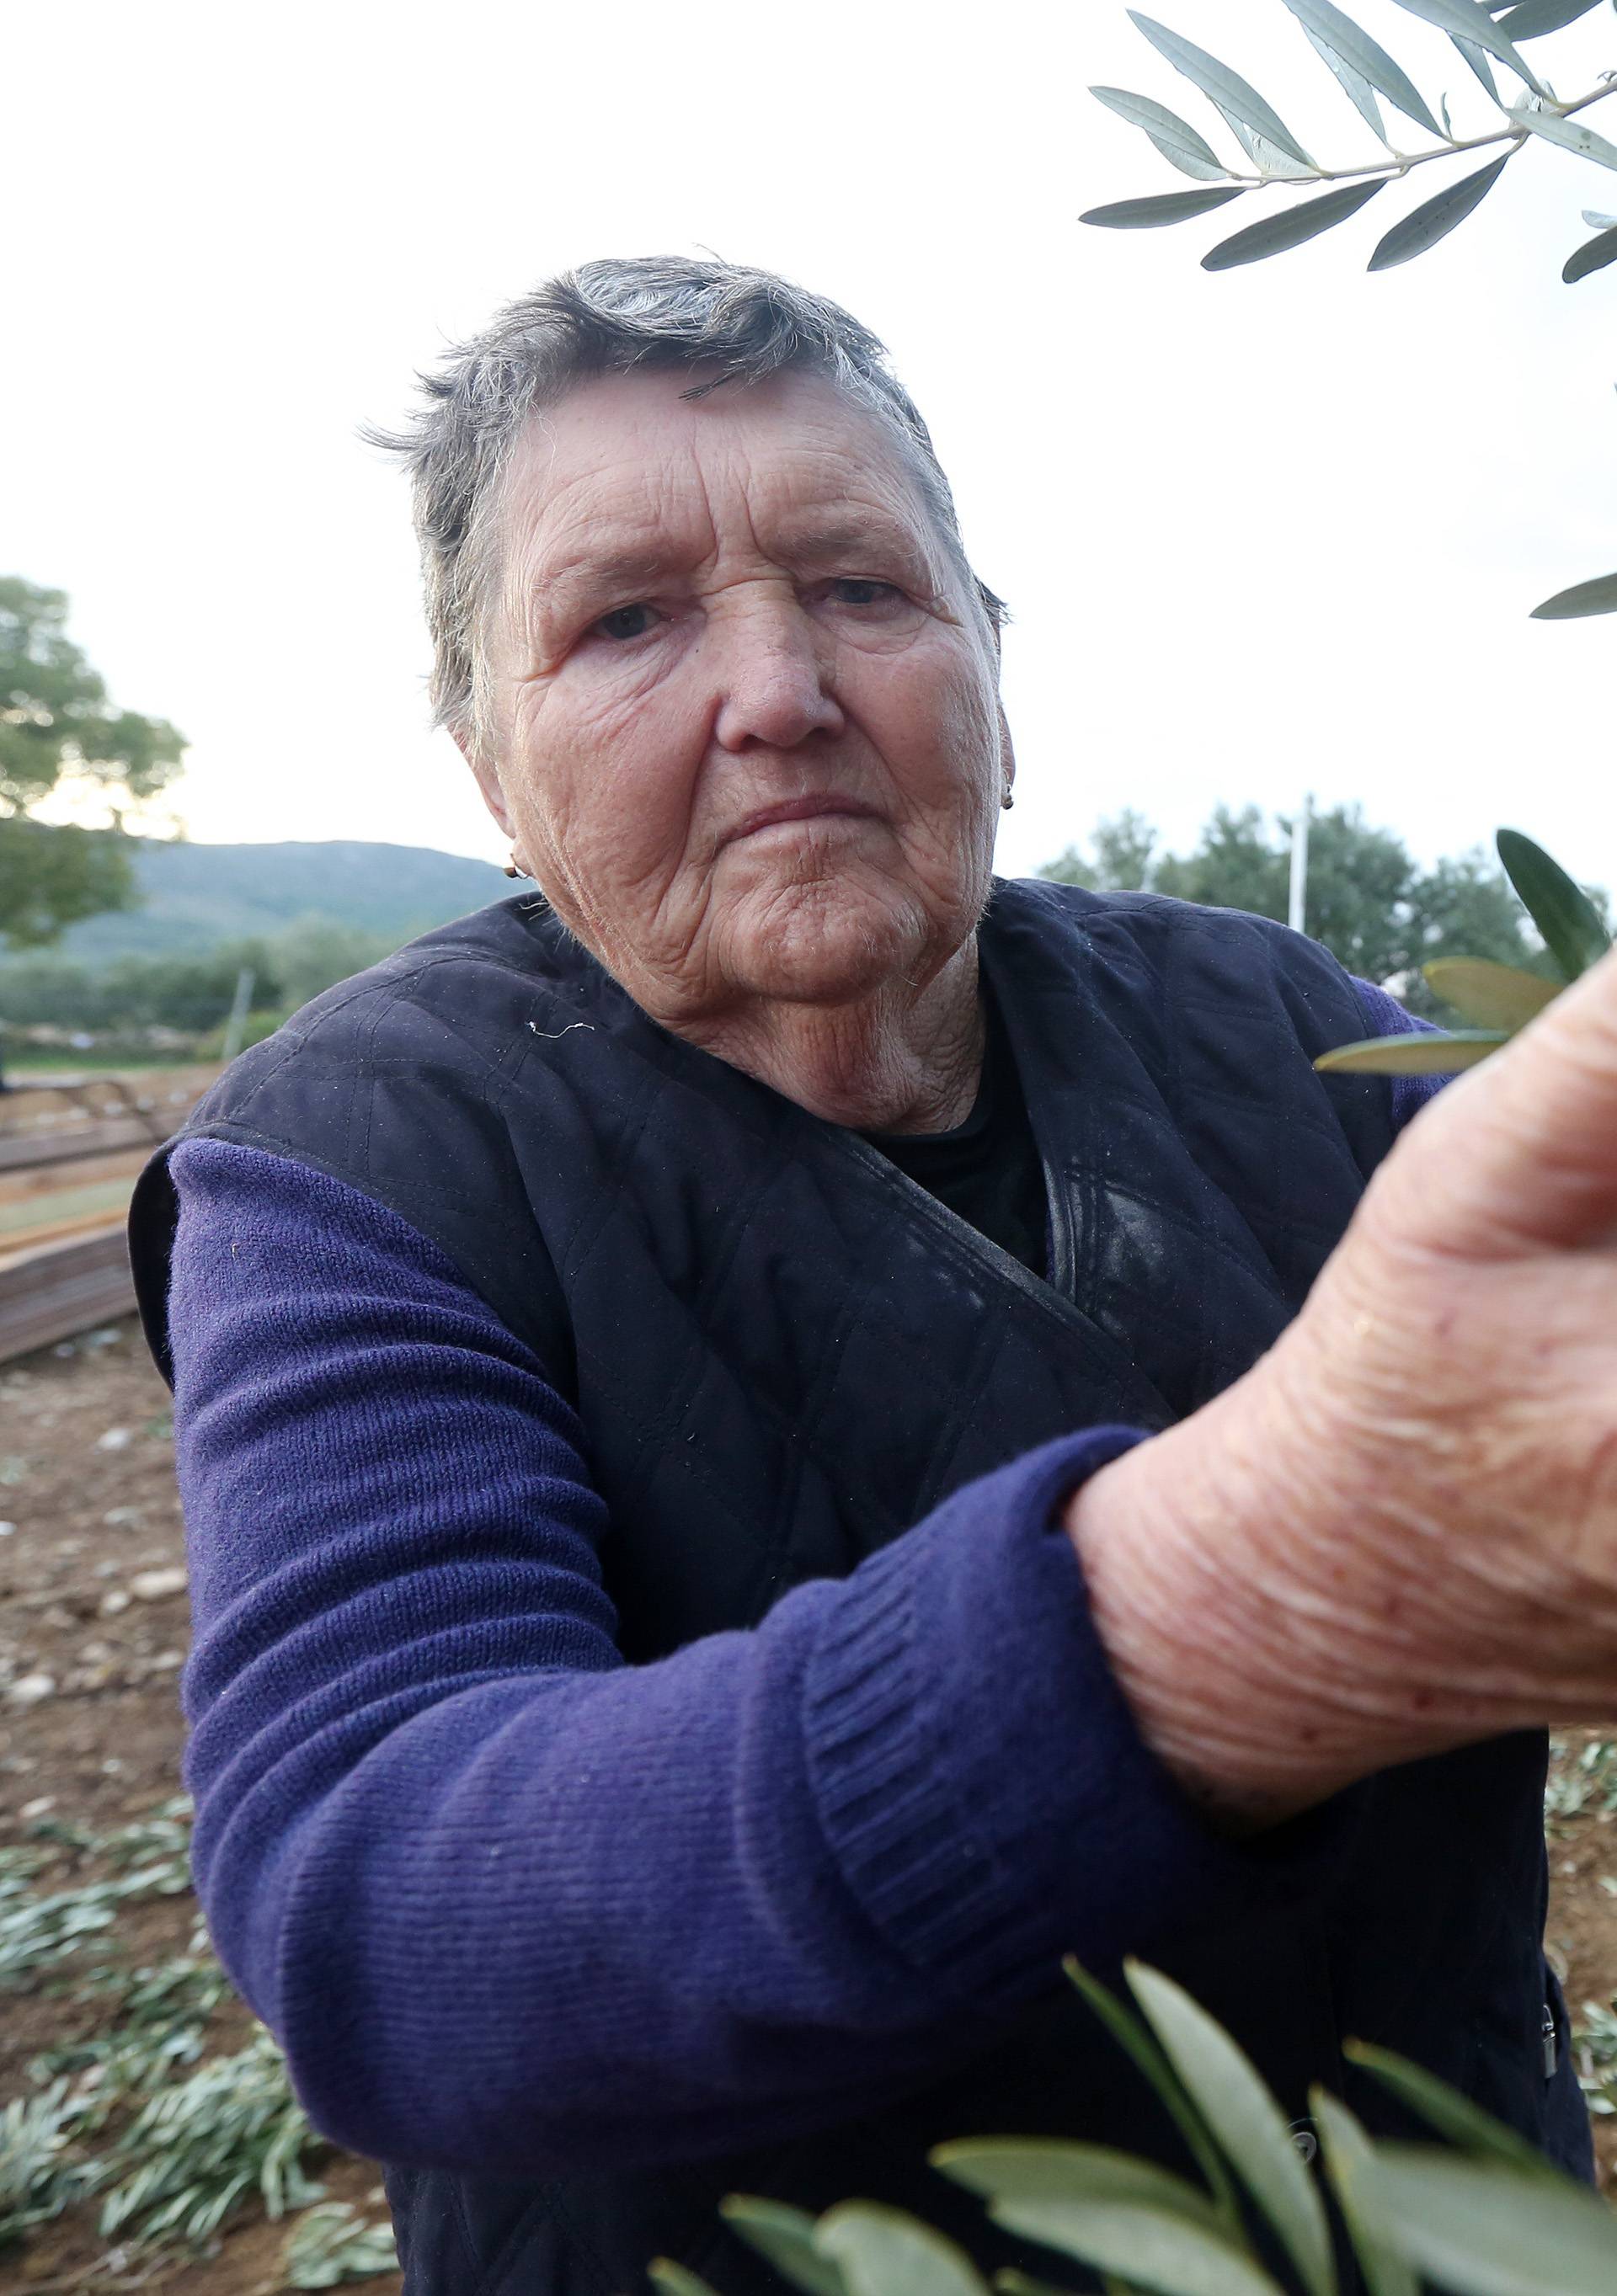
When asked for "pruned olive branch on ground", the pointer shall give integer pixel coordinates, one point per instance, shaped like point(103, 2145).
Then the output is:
point(176, 2138)
point(1368, 75)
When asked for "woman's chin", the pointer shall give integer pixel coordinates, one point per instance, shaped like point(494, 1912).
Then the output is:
point(823, 942)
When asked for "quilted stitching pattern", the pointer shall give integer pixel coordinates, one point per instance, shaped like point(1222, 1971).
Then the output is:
point(783, 1350)
point(783, 1353)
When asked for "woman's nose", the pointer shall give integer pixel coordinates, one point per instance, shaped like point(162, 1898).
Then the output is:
point(772, 678)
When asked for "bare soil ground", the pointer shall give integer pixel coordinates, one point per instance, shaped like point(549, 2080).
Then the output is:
point(1580, 1934)
point(92, 1598)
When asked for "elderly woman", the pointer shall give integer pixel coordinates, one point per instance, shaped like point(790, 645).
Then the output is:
point(757, 1466)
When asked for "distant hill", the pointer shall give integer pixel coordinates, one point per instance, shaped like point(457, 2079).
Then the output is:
point(197, 896)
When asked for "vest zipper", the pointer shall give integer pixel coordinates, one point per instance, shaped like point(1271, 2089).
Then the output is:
point(1547, 2031)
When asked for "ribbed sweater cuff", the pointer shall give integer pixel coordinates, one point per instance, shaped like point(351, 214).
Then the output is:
point(978, 1771)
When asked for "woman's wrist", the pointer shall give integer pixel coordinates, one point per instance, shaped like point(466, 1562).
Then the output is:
point(1277, 1637)
point(1164, 1546)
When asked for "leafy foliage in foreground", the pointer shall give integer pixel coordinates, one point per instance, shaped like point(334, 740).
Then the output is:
point(1497, 999)
point(1485, 2217)
point(1484, 36)
point(174, 2137)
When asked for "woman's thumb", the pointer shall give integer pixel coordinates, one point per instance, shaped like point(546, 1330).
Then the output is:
point(1521, 1154)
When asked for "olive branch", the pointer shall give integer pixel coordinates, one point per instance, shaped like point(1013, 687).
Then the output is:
point(1495, 1000)
point(1482, 2214)
point(1484, 36)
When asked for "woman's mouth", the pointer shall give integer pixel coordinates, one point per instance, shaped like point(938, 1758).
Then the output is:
point(826, 807)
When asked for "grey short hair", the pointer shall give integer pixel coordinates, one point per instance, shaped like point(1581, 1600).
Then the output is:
point(653, 311)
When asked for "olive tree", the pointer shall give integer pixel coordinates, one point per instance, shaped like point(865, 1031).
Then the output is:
point(57, 721)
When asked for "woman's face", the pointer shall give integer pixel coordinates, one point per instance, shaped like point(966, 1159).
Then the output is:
point(745, 722)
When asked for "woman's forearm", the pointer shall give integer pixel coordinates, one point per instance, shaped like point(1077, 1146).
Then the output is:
point(1282, 1629)
point(510, 1904)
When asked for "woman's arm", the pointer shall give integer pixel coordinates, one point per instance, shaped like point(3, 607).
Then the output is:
point(1397, 1535)
point(510, 1905)
point(1384, 1016)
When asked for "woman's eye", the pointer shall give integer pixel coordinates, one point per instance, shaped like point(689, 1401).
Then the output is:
point(626, 621)
point(861, 590)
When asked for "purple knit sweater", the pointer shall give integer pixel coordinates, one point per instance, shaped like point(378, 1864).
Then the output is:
point(510, 1905)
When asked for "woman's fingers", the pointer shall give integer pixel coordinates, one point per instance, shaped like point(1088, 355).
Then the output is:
point(1521, 1154)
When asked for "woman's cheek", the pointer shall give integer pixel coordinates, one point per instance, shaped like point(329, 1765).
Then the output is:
point(924, 725)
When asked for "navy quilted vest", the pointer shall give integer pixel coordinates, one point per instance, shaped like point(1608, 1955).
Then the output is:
point(784, 1352)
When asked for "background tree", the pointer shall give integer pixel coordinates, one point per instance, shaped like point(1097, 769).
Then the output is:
point(1468, 907)
point(1123, 843)
point(1368, 900)
point(1236, 865)
point(57, 722)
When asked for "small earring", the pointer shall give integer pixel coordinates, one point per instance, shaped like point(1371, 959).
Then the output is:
point(512, 870)
point(1007, 800)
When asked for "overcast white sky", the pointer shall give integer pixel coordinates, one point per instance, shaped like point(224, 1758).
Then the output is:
point(1266, 531)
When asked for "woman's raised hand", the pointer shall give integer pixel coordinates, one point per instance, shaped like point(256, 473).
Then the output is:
point(1398, 1533)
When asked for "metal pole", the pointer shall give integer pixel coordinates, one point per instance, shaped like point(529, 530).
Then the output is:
point(1297, 910)
point(235, 1027)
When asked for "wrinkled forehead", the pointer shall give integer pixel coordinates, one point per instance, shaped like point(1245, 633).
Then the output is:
point(623, 468)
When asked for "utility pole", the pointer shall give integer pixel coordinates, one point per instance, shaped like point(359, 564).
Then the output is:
point(1297, 910)
point(236, 1027)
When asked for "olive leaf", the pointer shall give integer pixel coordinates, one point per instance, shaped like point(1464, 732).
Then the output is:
point(1430, 1054)
point(1570, 135)
point(1234, 96)
point(1164, 2251)
point(1593, 255)
point(1022, 2283)
point(1340, 36)
point(1175, 139)
point(783, 2237)
point(881, 2252)
point(1133, 2037)
point(1493, 2231)
point(1266, 157)
point(1345, 2150)
point(1109, 2209)
point(1357, 90)
point(1568, 922)
point(1435, 218)
point(1014, 2170)
point(1502, 997)
point(673, 2280)
point(1160, 207)
point(1489, 996)
point(1597, 597)
point(1531, 19)
point(1276, 232)
point(1477, 63)
point(1444, 2109)
point(1243, 2115)
point(1464, 22)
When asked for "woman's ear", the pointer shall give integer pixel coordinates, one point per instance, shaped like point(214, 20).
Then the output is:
point(1007, 752)
point(488, 781)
